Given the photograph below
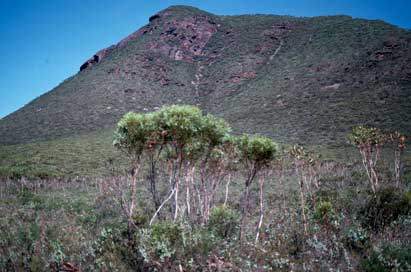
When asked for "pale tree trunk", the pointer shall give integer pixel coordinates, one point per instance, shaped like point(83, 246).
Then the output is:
point(302, 203)
point(188, 198)
point(177, 184)
point(152, 177)
point(260, 222)
point(244, 211)
point(200, 201)
point(189, 188)
point(161, 206)
point(373, 163)
point(133, 197)
point(204, 201)
point(216, 181)
point(368, 168)
point(302, 198)
point(176, 199)
point(397, 166)
point(171, 171)
point(226, 189)
point(245, 204)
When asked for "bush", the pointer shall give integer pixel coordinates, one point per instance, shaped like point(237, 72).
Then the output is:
point(167, 231)
point(324, 211)
point(223, 221)
point(141, 219)
point(387, 206)
point(107, 251)
point(356, 239)
point(162, 243)
point(388, 258)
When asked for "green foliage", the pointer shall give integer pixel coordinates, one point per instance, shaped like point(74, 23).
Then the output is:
point(214, 131)
point(179, 124)
point(57, 255)
point(356, 238)
point(366, 136)
point(388, 258)
point(258, 150)
point(183, 128)
point(387, 206)
point(223, 221)
point(141, 219)
point(85, 155)
point(161, 242)
point(134, 132)
point(324, 211)
point(166, 231)
point(106, 251)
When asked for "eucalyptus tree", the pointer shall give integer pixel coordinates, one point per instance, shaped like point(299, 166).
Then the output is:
point(134, 135)
point(231, 162)
point(397, 139)
point(369, 142)
point(178, 126)
point(212, 141)
point(256, 155)
point(303, 162)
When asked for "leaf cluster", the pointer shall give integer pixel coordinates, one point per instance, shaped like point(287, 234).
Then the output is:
point(366, 136)
point(257, 149)
point(182, 127)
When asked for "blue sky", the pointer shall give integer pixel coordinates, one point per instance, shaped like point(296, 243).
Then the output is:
point(44, 42)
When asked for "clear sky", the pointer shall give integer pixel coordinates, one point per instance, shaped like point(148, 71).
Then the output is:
point(43, 42)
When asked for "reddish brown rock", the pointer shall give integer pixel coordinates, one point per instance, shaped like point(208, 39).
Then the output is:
point(96, 58)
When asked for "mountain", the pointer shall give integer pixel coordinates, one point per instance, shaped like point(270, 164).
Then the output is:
point(305, 80)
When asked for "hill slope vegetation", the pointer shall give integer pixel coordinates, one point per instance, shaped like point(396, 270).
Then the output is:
point(305, 80)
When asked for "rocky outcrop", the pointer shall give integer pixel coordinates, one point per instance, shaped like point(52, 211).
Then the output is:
point(96, 58)
point(184, 39)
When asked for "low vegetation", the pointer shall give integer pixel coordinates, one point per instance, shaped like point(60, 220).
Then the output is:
point(196, 197)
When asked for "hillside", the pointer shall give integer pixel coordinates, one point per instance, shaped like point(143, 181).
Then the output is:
point(305, 80)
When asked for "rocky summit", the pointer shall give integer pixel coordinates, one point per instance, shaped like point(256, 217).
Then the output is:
point(305, 80)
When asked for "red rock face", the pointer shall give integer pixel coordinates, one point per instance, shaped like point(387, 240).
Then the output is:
point(181, 40)
point(275, 34)
point(96, 58)
point(184, 39)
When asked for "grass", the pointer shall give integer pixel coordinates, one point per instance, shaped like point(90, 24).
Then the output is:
point(93, 155)
point(87, 155)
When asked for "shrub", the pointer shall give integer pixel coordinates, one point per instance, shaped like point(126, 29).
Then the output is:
point(356, 238)
point(162, 242)
point(324, 211)
point(166, 230)
point(223, 221)
point(388, 258)
point(141, 219)
point(387, 206)
point(107, 249)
